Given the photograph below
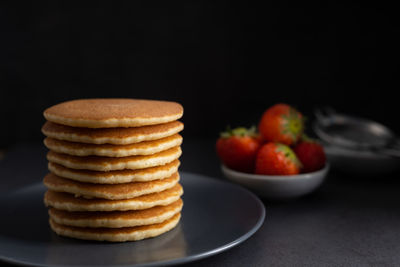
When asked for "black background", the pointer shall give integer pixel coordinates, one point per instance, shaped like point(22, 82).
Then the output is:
point(225, 61)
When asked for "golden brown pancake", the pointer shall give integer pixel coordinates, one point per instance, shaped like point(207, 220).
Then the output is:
point(116, 219)
point(116, 136)
point(113, 112)
point(108, 150)
point(116, 234)
point(109, 191)
point(97, 163)
point(116, 177)
point(66, 201)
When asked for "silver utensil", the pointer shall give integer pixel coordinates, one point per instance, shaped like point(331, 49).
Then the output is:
point(355, 132)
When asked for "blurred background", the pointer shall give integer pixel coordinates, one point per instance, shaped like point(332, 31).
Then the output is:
point(225, 61)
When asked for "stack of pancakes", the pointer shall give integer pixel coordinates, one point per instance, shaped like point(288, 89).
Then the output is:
point(113, 168)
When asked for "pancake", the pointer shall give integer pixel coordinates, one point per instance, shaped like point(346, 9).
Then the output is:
point(116, 234)
point(116, 136)
point(113, 112)
point(65, 201)
point(109, 191)
point(98, 163)
point(116, 219)
point(116, 177)
point(108, 150)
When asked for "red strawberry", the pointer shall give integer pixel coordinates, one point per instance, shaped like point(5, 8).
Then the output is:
point(277, 159)
point(237, 148)
point(281, 123)
point(311, 154)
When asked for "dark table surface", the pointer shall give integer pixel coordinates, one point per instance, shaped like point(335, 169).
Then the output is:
point(348, 221)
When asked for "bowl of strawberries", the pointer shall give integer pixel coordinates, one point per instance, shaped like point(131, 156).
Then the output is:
point(276, 159)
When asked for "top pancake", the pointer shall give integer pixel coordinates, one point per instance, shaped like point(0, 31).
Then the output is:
point(113, 112)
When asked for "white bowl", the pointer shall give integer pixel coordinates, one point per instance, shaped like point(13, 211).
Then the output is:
point(278, 186)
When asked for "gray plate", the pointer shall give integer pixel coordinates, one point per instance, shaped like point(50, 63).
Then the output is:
point(216, 216)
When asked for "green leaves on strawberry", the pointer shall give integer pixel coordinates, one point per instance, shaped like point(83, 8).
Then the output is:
point(237, 148)
point(277, 159)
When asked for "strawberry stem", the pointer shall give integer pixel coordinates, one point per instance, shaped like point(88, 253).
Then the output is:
point(239, 131)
